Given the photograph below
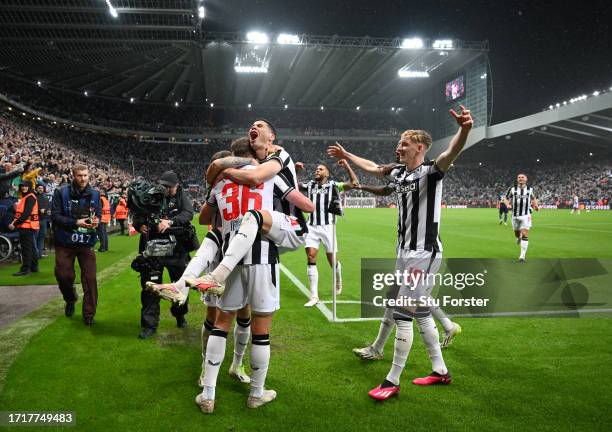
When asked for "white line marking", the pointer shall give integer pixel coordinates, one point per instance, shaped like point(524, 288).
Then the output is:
point(298, 283)
point(524, 313)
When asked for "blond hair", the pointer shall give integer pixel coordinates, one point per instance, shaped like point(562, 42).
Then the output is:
point(418, 136)
point(78, 168)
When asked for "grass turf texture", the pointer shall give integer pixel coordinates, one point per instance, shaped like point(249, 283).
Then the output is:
point(508, 373)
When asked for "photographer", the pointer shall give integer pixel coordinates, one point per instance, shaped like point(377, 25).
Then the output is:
point(174, 220)
point(75, 215)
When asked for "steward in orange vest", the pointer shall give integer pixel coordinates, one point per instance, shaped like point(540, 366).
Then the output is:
point(26, 221)
point(121, 214)
point(104, 220)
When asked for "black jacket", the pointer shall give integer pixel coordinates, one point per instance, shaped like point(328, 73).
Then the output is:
point(43, 206)
point(180, 211)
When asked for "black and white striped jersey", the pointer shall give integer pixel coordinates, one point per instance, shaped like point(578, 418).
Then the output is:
point(520, 199)
point(288, 174)
point(216, 236)
point(419, 203)
point(321, 196)
point(234, 201)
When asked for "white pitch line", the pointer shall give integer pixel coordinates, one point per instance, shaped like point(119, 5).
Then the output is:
point(298, 283)
point(524, 313)
point(346, 302)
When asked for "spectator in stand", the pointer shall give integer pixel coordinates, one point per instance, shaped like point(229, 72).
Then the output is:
point(26, 221)
point(7, 173)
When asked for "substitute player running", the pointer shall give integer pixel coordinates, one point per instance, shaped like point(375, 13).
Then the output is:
point(418, 189)
point(522, 201)
point(325, 194)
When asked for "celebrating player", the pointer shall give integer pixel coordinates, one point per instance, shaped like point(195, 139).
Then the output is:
point(375, 350)
point(325, 194)
point(286, 228)
point(522, 201)
point(418, 188)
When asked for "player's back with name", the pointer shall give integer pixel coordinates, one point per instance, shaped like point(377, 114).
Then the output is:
point(235, 200)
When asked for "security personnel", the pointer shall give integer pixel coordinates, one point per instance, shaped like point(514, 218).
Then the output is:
point(26, 221)
point(121, 214)
point(75, 215)
point(178, 212)
point(104, 221)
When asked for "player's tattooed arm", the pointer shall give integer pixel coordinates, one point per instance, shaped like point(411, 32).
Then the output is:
point(465, 122)
point(338, 152)
point(254, 177)
point(354, 180)
point(217, 166)
point(377, 190)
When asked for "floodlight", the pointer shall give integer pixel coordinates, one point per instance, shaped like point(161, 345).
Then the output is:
point(257, 37)
point(288, 39)
point(403, 73)
point(443, 44)
point(413, 43)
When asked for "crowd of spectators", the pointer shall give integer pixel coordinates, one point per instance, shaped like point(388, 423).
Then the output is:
point(115, 160)
point(165, 117)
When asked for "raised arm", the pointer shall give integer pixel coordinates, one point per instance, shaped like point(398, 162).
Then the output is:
point(338, 152)
point(354, 180)
point(465, 122)
point(217, 166)
point(377, 190)
point(254, 177)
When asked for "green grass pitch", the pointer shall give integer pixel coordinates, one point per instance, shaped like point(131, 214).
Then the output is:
point(509, 373)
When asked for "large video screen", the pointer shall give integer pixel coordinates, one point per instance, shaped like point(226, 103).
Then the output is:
point(455, 89)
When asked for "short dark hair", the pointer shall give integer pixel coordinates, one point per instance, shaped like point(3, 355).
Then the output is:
point(242, 147)
point(266, 121)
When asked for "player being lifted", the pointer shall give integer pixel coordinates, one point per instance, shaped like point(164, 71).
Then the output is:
point(418, 189)
point(254, 282)
point(285, 225)
point(325, 194)
point(522, 201)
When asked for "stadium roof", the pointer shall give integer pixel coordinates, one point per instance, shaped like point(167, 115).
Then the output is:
point(587, 121)
point(158, 50)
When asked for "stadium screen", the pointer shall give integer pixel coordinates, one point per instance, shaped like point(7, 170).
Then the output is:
point(455, 89)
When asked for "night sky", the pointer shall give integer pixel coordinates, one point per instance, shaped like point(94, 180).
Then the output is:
point(541, 52)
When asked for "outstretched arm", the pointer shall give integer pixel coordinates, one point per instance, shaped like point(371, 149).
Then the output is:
point(254, 177)
point(377, 190)
point(217, 166)
point(338, 152)
point(465, 122)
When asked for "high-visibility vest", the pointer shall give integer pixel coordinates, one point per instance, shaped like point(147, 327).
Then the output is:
point(106, 214)
point(121, 210)
point(32, 221)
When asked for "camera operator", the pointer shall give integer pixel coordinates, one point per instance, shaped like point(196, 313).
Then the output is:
point(175, 220)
